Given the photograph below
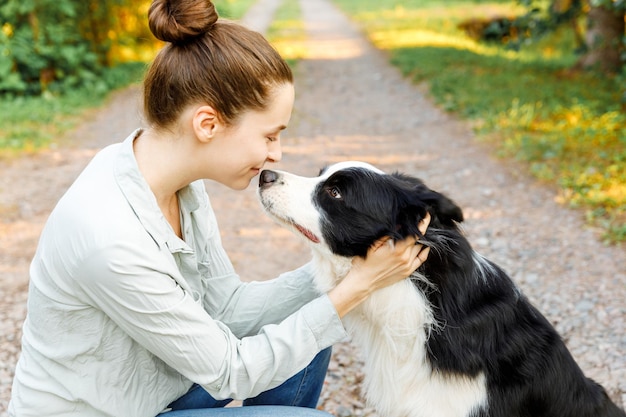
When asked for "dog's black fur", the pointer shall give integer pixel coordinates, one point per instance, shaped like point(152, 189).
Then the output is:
point(486, 325)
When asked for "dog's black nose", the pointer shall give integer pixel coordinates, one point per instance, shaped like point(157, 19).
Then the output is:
point(267, 178)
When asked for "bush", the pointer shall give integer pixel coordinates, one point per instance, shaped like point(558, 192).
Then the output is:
point(42, 48)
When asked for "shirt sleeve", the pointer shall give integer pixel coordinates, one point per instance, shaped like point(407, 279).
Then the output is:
point(247, 306)
point(147, 303)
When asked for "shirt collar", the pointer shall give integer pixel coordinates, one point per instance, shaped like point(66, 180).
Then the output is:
point(143, 202)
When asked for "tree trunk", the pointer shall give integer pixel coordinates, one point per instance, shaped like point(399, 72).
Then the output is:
point(605, 30)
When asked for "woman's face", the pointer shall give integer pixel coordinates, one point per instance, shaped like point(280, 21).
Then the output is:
point(241, 150)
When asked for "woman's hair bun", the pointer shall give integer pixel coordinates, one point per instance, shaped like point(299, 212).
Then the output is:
point(179, 21)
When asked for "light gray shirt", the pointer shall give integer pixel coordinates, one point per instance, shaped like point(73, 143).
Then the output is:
point(123, 315)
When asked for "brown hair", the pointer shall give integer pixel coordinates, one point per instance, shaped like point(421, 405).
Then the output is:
point(206, 60)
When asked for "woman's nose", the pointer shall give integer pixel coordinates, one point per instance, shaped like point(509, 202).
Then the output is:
point(275, 154)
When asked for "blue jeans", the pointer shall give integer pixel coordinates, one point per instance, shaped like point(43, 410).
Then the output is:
point(298, 396)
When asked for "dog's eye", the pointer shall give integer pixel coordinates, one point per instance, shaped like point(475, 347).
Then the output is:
point(334, 193)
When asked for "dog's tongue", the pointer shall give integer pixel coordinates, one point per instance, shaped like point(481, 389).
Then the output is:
point(309, 235)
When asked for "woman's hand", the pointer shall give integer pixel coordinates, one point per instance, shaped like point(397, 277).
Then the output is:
point(386, 264)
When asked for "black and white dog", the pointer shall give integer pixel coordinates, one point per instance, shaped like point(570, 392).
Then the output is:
point(457, 339)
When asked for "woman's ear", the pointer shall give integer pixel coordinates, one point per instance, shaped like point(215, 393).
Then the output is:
point(206, 123)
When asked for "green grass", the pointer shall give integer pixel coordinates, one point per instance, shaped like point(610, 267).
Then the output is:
point(287, 32)
point(232, 9)
point(567, 127)
point(28, 124)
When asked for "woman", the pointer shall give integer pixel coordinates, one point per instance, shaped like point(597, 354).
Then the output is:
point(134, 308)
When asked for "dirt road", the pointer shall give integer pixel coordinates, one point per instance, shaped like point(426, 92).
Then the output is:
point(352, 105)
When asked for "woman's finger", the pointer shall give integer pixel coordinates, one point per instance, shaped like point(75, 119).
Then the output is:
point(421, 258)
point(423, 224)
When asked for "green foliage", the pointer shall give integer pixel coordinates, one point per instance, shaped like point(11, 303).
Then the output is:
point(543, 17)
point(232, 9)
point(56, 46)
point(41, 48)
point(611, 4)
point(29, 123)
point(568, 127)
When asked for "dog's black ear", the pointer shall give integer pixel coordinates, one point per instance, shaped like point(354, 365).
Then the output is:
point(443, 208)
point(420, 199)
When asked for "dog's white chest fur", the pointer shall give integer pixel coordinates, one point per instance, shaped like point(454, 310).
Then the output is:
point(391, 329)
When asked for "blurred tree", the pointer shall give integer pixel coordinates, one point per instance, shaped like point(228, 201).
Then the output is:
point(604, 37)
point(603, 45)
point(55, 45)
point(40, 44)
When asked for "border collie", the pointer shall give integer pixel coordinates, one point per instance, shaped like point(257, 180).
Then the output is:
point(456, 339)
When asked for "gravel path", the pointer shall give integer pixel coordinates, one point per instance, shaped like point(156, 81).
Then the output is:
point(352, 105)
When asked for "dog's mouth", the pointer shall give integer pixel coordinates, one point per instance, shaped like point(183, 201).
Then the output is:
point(289, 222)
point(306, 232)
